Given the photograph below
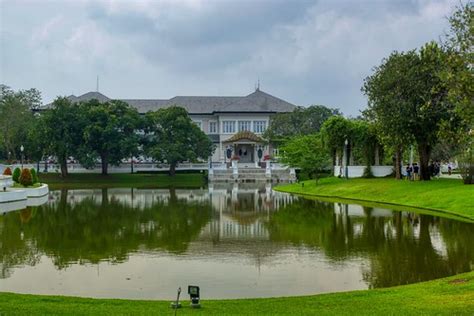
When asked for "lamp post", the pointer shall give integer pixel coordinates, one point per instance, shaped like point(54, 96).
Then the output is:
point(346, 168)
point(21, 149)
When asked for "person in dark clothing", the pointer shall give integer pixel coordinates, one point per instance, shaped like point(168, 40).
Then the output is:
point(409, 170)
point(431, 169)
point(416, 170)
point(437, 169)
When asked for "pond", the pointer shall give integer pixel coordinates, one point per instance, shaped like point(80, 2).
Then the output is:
point(233, 241)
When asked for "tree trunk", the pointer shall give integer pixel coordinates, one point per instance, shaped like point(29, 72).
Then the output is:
point(398, 163)
point(105, 164)
point(172, 171)
point(63, 164)
point(376, 156)
point(424, 151)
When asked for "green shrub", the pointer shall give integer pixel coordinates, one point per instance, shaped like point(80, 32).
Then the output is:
point(25, 177)
point(34, 175)
point(16, 175)
point(7, 172)
point(368, 173)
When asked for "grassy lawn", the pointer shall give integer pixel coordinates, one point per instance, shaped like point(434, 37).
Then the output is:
point(449, 296)
point(445, 195)
point(88, 180)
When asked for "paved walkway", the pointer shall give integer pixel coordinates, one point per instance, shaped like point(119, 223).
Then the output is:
point(453, 176)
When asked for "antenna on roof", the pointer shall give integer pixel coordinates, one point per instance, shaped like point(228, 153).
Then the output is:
point(258, 85)
point(97, 84)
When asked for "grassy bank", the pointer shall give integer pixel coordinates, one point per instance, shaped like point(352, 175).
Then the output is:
point(449, 296)
point(87, 180)
point(444, 195)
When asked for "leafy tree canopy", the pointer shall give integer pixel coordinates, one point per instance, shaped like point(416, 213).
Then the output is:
point(174, 138)
point(302, 121)
point(109, 132)
point(306, 152)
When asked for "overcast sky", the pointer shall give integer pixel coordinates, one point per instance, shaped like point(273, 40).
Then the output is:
point(306, 52)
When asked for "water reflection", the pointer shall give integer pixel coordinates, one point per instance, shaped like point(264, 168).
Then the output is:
point(237, 241)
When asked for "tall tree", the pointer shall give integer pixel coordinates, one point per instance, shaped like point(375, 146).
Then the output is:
point(459, 77)
point(334, 133)
point(16, 117)
point(174, 138)
point(302, 121)
point(110, 132)
point(61, 128)
point(409, 101)
point(306, 152)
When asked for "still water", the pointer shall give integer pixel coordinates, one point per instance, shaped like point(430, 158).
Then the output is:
point(233, 241)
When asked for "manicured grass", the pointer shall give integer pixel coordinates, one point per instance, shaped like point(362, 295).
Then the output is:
point(88, 180)
point(449, 296)
point(445, 195)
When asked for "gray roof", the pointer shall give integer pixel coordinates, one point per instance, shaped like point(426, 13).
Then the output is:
point(257, 101)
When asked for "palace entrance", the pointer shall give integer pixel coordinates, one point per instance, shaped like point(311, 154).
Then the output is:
point(246, 146)
point(246, 152)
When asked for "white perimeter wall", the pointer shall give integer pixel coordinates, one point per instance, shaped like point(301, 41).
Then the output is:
point(358, 171)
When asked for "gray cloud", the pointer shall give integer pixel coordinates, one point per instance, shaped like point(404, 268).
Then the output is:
point(307, 52)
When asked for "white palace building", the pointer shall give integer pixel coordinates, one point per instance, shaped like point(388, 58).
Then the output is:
point(233, 123)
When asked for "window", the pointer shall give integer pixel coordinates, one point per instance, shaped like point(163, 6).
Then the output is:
point(259, 126)
point(228, 127)
point(212, 127)
point(244, 126)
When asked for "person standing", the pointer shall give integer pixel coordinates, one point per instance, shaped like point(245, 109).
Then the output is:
point(450, 168)
point(409, 170)
point(416, 170)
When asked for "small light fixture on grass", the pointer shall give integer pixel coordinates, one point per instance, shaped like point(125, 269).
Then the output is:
point(193, 292)
point(176, 304)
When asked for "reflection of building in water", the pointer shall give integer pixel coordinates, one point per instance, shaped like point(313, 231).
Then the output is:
point(240, 210)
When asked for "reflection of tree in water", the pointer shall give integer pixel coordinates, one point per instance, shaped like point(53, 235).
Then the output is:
point(399, 248)
point(15, 248)
point(90, 231)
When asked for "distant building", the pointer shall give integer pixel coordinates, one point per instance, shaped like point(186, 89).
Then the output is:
point(234, 124)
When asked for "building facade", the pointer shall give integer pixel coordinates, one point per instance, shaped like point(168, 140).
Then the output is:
point(234, 124)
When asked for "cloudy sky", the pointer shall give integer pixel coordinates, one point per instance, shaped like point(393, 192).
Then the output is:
point(306, 52)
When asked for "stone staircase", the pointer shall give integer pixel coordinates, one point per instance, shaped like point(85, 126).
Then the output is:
point(251, 174)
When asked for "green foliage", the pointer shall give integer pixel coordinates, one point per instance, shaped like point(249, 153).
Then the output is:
point(302, 121)
point(34, 175)
point(409, 102)
point(15, 118)
point(368, 172)
point(466, 161)
point(61, 128)
point(25, 177)
point(174, 138)
point(109, 132)
point(7, 171)
point(334, 132)
point(306, 152)
point(16, 175)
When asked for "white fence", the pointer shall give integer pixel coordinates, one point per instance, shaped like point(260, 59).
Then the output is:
point(122, 168)
point(358, 171)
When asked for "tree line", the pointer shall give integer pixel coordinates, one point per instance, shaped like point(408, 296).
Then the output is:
point(422, 99)
point(93, 131)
